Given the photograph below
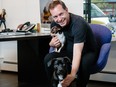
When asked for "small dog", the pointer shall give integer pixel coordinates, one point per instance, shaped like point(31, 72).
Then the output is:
point(62, 66)
point(56, 30)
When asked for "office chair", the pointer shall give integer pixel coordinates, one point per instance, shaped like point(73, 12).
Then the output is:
point(103, 37)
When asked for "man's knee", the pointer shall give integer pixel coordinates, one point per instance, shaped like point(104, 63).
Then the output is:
point(48, 57)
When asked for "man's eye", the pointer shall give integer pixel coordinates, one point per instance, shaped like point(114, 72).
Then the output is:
point(61, 14)
point(54, 17)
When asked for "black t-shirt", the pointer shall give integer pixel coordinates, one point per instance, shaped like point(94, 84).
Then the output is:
point(78, 31)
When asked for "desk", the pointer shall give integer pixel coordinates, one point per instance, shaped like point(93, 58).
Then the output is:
point(31, 51)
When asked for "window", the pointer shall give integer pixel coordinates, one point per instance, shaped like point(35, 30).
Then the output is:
point(101, 12)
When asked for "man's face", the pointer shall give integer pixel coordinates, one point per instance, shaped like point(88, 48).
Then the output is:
point(60, 15)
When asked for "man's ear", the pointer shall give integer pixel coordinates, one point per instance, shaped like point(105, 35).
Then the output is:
point(67, 9)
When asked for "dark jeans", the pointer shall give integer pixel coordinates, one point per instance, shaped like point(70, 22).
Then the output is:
point(3, 21)
point(87, 61)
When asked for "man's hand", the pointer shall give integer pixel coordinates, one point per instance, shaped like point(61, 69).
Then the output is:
point(55, 42)
point(67, 81)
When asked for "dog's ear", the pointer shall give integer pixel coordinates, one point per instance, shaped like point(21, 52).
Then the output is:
point(67, 59)
point(54, 30)
point(50, 62)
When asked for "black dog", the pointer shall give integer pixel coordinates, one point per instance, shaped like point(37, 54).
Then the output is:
point(62, 66)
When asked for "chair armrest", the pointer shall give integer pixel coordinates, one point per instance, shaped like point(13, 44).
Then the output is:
point(103, 56)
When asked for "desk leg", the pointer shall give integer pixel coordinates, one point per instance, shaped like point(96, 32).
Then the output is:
point(31, 54)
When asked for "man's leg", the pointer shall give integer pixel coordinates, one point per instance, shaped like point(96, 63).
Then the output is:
point(87, 61)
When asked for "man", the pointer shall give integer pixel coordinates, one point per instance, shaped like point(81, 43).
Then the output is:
point(80, 45)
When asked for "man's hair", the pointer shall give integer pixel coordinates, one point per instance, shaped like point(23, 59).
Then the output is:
point(54, 3)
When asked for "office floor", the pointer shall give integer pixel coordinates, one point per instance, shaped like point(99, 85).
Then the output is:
point(8, 79)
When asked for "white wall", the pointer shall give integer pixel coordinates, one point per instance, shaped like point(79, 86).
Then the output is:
point(0, 4)
point(75, 6)
point(20, 11)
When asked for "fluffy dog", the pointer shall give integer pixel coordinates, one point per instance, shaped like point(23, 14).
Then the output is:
point(62, 66)
point(56, 31)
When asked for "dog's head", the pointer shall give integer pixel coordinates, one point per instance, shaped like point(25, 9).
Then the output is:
point(55, 29)
point(61, 67)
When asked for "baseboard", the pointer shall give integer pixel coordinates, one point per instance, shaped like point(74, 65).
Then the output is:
point(9, 66)
point(104, 77)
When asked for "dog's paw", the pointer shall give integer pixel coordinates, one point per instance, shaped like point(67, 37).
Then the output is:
point(59, 85)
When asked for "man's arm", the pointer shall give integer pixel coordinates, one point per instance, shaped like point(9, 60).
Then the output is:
point(77, 52)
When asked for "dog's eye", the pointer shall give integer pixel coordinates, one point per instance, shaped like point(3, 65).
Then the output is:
point(55, 62)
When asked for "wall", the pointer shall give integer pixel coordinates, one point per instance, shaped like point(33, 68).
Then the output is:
point(20, 11)
point(75, 6)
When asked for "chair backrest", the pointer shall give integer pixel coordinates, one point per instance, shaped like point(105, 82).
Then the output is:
point(103, 37)
point(102, 34)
